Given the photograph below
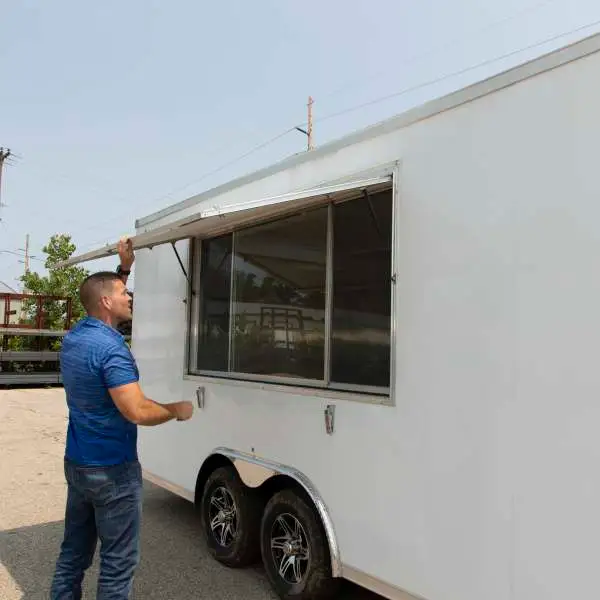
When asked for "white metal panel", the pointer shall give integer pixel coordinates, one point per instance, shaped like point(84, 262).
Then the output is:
point(219, 219)
point(479, 482)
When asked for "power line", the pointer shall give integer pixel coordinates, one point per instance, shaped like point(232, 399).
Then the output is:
point(311, 100)
point(452, 42)
point(21, 255)
point(453, 74)
point(376, 101)
point(229, 163)
point(210, 173)
point(478, 31)
point(364, 105)
point(389, 96)
point(383, 98)
point(469, 35)
point(115, 218)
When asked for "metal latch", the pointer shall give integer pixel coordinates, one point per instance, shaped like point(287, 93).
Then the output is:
point(200, 396)
point(329, 418)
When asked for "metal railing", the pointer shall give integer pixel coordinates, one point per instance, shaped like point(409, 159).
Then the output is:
point(26, 352)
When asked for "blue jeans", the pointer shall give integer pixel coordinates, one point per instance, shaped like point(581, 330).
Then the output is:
point(102, 503)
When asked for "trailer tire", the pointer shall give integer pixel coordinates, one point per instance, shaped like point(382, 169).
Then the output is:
point(292, 540)
point(231, 515)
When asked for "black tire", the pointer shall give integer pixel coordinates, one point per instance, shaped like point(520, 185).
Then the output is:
point(239, 546)
point(313, 567)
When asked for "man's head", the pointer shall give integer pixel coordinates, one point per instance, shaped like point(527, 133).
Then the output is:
point(105, 297)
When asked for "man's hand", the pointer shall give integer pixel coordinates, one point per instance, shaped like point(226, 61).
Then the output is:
point(125, 249)
point(183, 410)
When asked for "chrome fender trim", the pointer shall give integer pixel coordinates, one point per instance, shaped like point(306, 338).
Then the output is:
point(254, 471)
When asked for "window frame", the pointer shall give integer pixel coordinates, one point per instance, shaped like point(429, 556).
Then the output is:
point(372, 394)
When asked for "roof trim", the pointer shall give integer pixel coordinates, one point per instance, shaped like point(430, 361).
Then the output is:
point(542, 64)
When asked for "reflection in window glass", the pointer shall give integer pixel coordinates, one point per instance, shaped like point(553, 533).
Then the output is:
point(279, 297)
point(215, 297)
point(360, 347)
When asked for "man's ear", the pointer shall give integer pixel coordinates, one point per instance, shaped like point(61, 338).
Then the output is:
point(106, 302)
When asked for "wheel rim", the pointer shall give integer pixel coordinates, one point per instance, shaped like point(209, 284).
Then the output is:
point(222, 517)
point(289, 548)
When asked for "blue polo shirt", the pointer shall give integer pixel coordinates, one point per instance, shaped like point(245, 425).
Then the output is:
point(95, 358)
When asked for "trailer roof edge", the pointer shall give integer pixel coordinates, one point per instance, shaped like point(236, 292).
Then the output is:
point(542, 64)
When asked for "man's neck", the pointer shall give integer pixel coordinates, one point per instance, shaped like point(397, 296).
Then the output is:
point(105, 319)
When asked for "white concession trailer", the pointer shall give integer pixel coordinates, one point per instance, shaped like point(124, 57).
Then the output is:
point(393, 344)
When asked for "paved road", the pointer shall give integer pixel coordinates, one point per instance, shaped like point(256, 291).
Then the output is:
point(174, 565)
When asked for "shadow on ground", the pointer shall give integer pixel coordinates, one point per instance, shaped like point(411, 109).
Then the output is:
point(174, 565)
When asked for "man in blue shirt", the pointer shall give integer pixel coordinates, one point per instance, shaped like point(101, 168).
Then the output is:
point(106, 404)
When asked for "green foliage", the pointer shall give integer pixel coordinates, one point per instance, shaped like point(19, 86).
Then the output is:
point(16, 344)
point(63, 281)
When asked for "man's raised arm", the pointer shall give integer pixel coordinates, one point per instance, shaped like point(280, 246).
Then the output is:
point(127, 258)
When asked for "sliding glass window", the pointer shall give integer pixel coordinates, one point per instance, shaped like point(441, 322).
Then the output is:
point(304, 299)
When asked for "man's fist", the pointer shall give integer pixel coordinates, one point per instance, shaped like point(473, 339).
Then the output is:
point(125, 250)
point(183, 410)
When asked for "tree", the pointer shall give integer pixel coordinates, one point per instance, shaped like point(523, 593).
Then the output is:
point(64, 281)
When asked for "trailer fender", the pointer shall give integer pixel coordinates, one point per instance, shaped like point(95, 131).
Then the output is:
point(254, 471)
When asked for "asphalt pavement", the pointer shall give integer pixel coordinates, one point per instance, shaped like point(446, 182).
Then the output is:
point(174, 562)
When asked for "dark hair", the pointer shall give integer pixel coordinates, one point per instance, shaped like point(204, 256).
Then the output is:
point(94, 286)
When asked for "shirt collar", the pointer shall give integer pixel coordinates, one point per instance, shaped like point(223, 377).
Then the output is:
point(94, 322)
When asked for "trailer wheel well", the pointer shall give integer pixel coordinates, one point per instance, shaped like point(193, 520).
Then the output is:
point(278, 483)
point(212, 463)
point(266, 490)
point(269, 488)
point(273, 485)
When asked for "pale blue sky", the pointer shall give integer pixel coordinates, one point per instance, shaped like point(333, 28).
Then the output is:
point(116, 106)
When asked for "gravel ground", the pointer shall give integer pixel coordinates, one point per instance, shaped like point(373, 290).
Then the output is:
point(174, 563)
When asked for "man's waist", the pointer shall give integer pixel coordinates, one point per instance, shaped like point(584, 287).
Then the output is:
point(91, 466)
point(100, 452)
point(109, 457)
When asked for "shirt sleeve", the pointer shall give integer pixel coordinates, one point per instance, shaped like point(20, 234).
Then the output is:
point(118, 367)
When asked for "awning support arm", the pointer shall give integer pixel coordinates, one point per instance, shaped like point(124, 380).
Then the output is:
point(372, 211)
point(185, 273)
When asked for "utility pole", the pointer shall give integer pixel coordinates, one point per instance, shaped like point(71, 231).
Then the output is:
point(310, 123)
point(309, 131)
point(27, 257)
point(4, 154)
point(26, 254)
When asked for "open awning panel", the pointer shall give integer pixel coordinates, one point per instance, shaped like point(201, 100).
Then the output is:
point(211, 222)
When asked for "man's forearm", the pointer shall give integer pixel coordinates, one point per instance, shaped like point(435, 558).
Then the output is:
point(153, 413)
point(141, 410)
